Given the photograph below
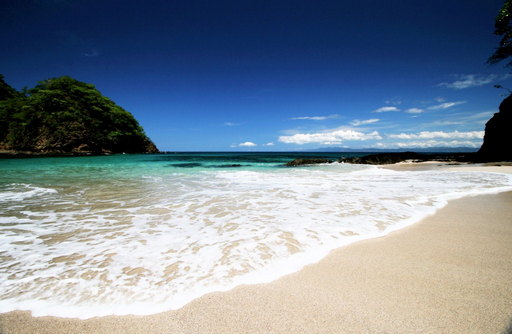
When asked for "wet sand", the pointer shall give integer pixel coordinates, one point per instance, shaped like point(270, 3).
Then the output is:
point(450, 273)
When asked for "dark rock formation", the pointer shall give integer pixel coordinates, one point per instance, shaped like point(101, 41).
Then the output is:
point(498, 135)
point(393, 158)
point(384, 158)
point(389, 158)
point(228, 166)
point(186, 165)
point(307, 161)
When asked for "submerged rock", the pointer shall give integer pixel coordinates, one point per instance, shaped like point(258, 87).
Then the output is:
point(228, 166)
point(186, 165)
point(307, 161)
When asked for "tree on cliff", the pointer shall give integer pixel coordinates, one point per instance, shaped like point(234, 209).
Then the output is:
point(63, 115)
point(503, 27)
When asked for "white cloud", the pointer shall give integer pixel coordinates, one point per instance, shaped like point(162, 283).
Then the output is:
point(357, 122)
point(466, 118)
point(386, 109)
point(231, 124)
point(440, 134)
point(481, 115)
point(444, 123)
point(437, 143)
point(247, 144)
point(333, 137)
point(269, 144)
point(414, 111)
point(445, 105)
point(469, 80)
point(315, 118)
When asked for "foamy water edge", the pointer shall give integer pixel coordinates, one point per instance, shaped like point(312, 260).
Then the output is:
point(271, 272)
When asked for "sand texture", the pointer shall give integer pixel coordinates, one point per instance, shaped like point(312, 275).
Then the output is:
point(450, 273)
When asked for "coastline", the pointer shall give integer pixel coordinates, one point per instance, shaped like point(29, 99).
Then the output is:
point(448, 273)
point(12, 154)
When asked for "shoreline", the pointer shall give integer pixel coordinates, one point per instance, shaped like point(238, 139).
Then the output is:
point(9, 154)
point(429, 277)
point(493, 167)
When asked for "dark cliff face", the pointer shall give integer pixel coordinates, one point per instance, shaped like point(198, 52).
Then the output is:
point(498, 134)
point(64, 115)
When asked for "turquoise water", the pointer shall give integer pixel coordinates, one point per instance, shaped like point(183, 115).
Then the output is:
point(140, 234)
point(54, 169)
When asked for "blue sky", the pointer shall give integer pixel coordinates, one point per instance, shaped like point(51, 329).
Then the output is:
point(271, 75)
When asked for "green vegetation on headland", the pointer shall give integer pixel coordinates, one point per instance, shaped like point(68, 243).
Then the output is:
point(66, 116)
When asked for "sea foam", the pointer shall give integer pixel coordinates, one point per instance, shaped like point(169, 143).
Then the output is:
point(16, 192)
point(155, 242)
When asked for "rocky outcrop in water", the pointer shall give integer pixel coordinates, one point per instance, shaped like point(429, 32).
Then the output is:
point(307, 161)
point(498, 135)
point(393, 158)
point(384, 158)
point(389, 158)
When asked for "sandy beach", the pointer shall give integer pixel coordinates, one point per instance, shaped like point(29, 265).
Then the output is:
point(449, 273)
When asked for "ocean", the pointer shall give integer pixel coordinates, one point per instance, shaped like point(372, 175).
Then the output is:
point(140, 234)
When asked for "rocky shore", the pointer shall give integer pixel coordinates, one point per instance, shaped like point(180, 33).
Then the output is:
point(391, 158)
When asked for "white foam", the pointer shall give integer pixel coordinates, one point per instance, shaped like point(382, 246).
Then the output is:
point(155, 243)
point(19, 191)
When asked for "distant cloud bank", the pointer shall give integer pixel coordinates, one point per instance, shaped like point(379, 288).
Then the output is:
point(333, 137)
point(434, 143)
point(315, 118)
point(427, 139)
point(440, 134)
point(423, 139)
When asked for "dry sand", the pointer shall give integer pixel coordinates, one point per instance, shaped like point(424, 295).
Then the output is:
point(450, 273)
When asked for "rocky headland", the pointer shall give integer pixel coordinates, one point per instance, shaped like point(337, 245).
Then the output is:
point(498, 134)
point(63, 116)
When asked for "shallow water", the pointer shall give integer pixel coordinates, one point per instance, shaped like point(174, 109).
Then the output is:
point(91, 236)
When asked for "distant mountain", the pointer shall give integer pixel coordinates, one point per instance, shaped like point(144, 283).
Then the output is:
point(66, 116)
point(409, 149)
